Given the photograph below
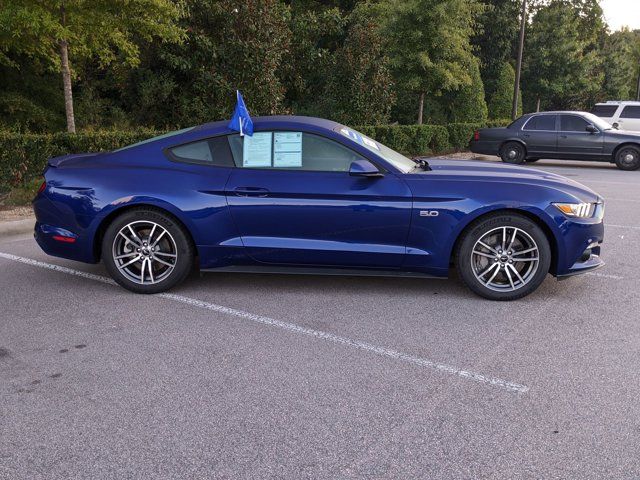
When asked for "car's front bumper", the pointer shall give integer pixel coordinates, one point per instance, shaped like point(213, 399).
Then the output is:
point(585, 264)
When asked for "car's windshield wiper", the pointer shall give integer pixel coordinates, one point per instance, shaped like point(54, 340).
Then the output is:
point(422, 163)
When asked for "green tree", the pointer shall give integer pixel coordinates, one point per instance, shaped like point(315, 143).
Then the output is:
point(495, 41)
point(621, 54)
point(361, 87)
point(501, 101)
point(319, 32)
point(562, 67)
point(467, 104)
point(429, 46)
point(229, 46)
point(105, 30)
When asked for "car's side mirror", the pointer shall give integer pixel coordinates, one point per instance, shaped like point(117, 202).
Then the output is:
point(364, 168)
point(616, 125)
point(591, 129)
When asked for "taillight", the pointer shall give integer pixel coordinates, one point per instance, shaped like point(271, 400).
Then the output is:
point(60, 238)
point(42, 187)
point(476, 135)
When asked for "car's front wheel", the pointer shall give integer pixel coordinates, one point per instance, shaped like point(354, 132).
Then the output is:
point(147, 251)
point(628, 158)
point(503, 256)
point(513, 152)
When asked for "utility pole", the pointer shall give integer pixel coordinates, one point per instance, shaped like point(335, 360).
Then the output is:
point(516, 86)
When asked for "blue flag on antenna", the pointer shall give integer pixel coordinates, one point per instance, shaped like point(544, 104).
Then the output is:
point(241, 121)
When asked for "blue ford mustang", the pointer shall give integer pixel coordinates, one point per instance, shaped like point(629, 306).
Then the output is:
point(306, 195)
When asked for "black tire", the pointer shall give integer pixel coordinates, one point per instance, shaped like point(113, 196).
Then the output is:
point(531, 160)
point(628, 158)
point(174, 248)
point(513, 152)
point(502, 286)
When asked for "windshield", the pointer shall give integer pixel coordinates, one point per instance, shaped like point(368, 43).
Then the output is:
point(597, 121)
point(396, 159)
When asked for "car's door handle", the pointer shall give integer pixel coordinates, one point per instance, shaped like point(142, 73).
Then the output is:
point(526, 135)
point(563, 136)
point(251, 192)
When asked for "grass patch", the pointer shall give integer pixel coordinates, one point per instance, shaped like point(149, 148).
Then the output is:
point(21, 196)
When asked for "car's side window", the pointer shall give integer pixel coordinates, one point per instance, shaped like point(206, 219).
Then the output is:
point(604, 111)
point(211, 151)
point(573, 123)
point(541, 122)
point(285, 150)
point(631, 111)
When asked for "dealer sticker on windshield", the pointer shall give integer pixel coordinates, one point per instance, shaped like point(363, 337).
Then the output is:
point(356, 137)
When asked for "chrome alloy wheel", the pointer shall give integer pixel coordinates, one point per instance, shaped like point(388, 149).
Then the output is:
point(144, 252)
point(505, 259)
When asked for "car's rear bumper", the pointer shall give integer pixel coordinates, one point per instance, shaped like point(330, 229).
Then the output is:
point(61, 234)
point(484, 147)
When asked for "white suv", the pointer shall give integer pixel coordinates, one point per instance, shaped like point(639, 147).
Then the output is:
point(625, 114)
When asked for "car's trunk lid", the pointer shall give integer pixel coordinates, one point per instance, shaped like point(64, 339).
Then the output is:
point(70, 160)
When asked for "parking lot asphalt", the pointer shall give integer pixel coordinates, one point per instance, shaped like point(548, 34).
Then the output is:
point(270, 376)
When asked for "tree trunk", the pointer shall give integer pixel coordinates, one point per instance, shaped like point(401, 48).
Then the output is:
point(420, 108)
point(638, 89)
point(66, 77)
point(516, 85)
point(538, 105)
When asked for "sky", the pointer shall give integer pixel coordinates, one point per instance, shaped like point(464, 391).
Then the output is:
point(621, 12)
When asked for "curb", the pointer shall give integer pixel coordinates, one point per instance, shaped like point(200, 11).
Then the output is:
point(16, 227)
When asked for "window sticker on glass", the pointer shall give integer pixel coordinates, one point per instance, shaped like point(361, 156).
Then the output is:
point(287, 151)
point(355, 136)
point(256, 150)
point(370, 143)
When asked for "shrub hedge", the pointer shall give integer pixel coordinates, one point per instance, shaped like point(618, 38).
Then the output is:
point(23, 156)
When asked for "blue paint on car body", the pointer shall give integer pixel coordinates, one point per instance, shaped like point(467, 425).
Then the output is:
point(307, 218)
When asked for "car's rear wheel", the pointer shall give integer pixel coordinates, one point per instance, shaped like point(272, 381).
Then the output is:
point(503, 256)
point(147, 251)
point(513, 152)
point(628, 158)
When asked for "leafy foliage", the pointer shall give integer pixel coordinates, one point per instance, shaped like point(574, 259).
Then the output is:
point(501, 102)
point(429, 43)
point(174, 63)
point(563, 68)
point(495, 40)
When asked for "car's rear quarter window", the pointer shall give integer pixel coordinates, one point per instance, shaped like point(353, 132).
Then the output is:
point(631, 111)
point(604, 111)
point(211, 151)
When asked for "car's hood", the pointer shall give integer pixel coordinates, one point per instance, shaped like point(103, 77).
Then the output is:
point(494, 172)
point(623, 134)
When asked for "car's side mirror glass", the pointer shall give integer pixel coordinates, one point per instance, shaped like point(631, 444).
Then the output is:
point(364, 168)
point(591, 129)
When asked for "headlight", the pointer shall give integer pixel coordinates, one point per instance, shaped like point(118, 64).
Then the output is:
point(579, 210)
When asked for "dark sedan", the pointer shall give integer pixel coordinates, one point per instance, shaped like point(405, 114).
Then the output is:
point(559, 135)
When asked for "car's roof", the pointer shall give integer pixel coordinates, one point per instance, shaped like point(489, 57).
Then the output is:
point(619, 102)
point(556, 112)
point(278, 121)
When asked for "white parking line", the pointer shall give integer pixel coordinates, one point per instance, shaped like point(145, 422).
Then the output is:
point(633, 227)
point(291, 327)
point(605, 275)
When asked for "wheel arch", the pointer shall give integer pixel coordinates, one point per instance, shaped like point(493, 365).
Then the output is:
point(112, 215)
point(551, 238)
point(510, 140)
point(624, 144)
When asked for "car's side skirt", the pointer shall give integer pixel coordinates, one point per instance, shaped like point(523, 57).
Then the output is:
point(286, 270)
